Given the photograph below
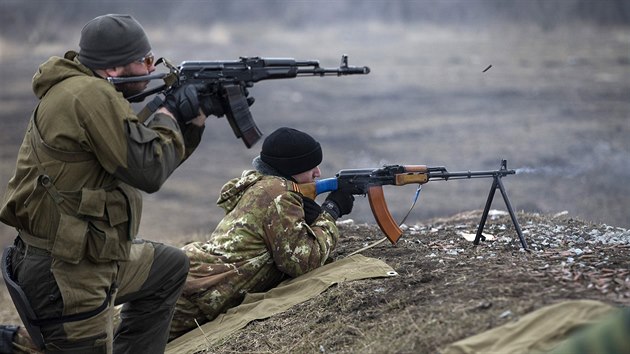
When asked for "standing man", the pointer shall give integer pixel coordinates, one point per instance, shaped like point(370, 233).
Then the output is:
point(270, 231)
point(76, 204)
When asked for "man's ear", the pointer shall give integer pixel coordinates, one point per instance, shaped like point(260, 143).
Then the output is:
point(113, 72)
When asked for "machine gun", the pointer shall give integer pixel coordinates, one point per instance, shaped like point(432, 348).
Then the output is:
point(370, 181)
point(228, 82)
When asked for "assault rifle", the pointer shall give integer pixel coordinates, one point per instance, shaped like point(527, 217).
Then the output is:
point(227, 81)
point(370, 181)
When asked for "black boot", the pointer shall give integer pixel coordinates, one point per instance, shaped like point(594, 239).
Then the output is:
point(7, 334)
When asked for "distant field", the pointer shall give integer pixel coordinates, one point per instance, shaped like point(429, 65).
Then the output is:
point(554, 104)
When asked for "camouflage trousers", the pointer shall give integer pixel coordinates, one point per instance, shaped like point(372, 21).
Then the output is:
point(147, 286)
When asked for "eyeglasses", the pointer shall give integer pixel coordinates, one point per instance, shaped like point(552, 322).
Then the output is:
point(148, 59)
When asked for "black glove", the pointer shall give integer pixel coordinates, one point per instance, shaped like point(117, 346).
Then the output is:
point(338, 203)
point(210, 103)
point(311, 210)
point(183, 103)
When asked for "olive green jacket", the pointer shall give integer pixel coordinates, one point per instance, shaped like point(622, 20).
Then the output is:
point(82, 176)
point(262, 239)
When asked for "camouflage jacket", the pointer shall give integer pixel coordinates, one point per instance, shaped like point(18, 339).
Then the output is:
point(262, 239)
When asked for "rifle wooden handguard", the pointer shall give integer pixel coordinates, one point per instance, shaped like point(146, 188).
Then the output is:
point(382, 215)
point(402, 178)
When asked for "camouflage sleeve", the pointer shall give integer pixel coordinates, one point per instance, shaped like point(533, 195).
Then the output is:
point(296, 247)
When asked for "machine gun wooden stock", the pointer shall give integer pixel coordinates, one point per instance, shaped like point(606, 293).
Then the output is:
point(370, 181)
point(227, 81)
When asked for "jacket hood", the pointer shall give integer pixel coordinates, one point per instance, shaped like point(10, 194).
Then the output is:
point(57, 69)
point(233, 190)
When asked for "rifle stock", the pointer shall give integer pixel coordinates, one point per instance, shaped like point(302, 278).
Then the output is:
point(308, 190)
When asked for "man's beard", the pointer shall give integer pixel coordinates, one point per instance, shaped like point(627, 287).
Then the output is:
point(131, 88)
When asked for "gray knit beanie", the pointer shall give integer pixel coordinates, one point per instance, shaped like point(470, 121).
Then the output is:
point(112, 40)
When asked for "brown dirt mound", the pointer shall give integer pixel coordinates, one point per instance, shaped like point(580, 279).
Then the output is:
point(448, 289)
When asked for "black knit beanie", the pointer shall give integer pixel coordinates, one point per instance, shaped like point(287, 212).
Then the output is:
point(112, 40)
point(291, 151)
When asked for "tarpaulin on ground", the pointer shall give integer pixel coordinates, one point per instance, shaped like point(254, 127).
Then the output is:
point(536, 332)
point(258, 306)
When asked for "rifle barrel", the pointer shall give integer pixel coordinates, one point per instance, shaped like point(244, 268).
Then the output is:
point(469, 174)
point(360, 70)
